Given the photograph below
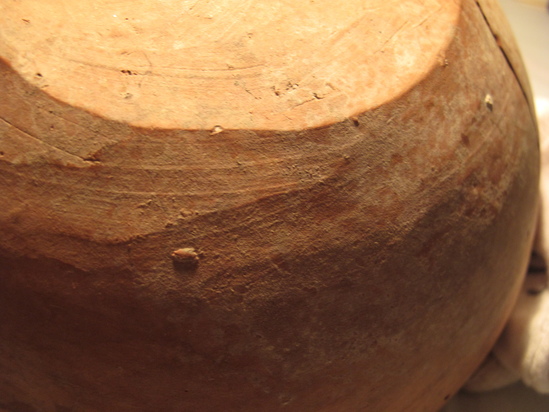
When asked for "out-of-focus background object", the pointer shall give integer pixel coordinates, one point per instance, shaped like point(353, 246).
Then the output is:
point(515, 398)
point(537, 3)
point(530, 21)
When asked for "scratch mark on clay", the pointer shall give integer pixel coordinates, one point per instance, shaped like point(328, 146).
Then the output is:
point(57, 149)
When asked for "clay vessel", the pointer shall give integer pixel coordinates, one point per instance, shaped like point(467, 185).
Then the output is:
point(242, 206)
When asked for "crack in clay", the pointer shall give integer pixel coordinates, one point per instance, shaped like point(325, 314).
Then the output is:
point(48, 145)
point(390, 38)
point(507, 59)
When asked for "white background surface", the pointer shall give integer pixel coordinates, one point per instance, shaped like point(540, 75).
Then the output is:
point(530, 22)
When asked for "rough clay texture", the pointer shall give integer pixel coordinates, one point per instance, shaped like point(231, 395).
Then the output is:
point(367, 263)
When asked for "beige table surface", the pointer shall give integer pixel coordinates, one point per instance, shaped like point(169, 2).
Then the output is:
point(530, 22)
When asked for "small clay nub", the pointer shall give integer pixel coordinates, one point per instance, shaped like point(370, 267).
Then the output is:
point(185, 256)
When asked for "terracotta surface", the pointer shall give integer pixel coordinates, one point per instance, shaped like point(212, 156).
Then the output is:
point(257, 206)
